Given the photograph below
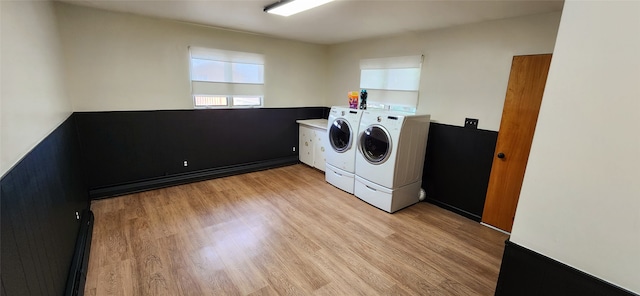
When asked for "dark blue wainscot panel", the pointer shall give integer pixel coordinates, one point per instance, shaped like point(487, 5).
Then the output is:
point(40, 196)
point(457, 168)
point(132, 151)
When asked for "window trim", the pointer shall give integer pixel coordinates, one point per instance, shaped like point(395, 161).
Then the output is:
point(230, 102)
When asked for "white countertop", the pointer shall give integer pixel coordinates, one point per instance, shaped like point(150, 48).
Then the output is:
point(317, 123)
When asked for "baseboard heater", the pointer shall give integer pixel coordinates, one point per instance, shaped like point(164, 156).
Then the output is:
point(190, 177)
point(456, 210)
point(79, 265)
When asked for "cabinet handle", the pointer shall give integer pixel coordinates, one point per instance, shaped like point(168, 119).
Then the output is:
point(322, 149)
point(372, 189)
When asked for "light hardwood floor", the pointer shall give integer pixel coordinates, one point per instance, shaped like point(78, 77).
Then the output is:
point(283, 231)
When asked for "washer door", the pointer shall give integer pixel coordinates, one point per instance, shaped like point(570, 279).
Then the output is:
point(340, 135)
point(375, 144)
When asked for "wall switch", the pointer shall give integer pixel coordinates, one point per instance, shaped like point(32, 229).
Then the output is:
point(185, 163)
point(471, 123)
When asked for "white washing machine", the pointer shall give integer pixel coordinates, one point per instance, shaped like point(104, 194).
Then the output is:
point(390, 158)
point(342, 132)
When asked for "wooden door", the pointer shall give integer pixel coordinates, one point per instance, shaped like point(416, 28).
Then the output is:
point(519, 116)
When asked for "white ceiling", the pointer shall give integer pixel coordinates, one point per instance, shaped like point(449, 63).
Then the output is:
point(335, 22)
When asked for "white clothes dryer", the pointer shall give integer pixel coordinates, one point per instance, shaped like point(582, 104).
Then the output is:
point(391, 153)
point(342, 132)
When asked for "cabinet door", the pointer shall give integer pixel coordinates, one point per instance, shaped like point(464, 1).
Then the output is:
point(305, 150)
point(319, 159)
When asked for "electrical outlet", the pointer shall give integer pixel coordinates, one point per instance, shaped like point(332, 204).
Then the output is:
point(294, 148)
point(77, 216)
point(471, 123)
point(185, 163)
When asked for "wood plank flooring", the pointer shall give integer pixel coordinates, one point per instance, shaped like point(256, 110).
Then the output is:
point(283, 231)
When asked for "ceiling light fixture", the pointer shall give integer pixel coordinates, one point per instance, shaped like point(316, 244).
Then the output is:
point(290, 7)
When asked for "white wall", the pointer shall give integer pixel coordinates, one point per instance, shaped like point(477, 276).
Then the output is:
point(34, 99)
point(120, 61)
point(466, 68)
point(580, 201)
point(115, 61)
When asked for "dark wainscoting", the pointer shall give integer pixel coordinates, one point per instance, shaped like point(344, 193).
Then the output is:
point(525, 272)
point(40, 197)
point(457, 168)
point(132, 151)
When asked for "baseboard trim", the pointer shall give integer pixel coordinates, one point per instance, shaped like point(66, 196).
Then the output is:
point(190, 177)
point(495, 228)
point(458, 211)
point(526, 272)
point(80, 264)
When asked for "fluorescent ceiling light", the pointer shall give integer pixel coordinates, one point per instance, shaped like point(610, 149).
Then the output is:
point(287, 8)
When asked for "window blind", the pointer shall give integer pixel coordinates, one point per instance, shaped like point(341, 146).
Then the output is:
point(223, 73)
point(393, 81)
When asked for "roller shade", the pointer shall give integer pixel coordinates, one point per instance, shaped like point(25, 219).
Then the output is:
point(393, 81)
point(226, 55)
point(222, 73)
point(214, 88)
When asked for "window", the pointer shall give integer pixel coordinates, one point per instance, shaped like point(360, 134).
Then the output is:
point(224, 79)
point(392, 83)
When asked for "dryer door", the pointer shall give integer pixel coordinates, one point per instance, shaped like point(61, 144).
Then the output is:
point(340, 135)
point(375, 144)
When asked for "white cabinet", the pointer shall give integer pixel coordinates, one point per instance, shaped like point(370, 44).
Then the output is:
point(307, 137)
point(319, 160)
point(311, 144)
